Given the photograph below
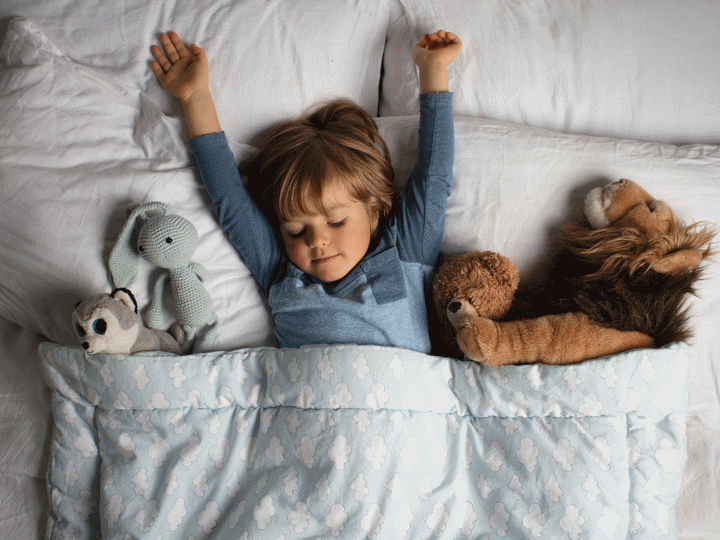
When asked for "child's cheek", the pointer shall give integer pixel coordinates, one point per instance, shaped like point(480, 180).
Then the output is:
point(297, 253)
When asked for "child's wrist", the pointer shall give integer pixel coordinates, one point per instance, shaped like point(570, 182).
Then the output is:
point(197, 97)
point(433, 80)
point(200, 114)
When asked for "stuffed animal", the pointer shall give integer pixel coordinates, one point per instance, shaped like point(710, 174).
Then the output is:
point(167, 241)
point(625, 280)
point(111, 323)
point(485, 279)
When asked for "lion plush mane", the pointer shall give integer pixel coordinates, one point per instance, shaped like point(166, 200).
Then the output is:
point(617, 286)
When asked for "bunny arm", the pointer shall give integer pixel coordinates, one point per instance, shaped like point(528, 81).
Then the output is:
point(567, 338)
point(195, 307)
point(192, 301)
point(199, 270)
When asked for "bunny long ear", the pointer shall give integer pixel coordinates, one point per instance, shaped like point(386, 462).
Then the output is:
point(124, 258)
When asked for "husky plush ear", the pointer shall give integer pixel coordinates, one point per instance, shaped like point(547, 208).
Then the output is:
point(126, 297)
point(124, 257)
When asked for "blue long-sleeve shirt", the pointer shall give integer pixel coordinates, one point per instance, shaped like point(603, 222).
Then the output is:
point(383, 300)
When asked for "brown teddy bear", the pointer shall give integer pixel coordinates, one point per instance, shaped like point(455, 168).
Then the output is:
point(625, 279)
point(485, 279)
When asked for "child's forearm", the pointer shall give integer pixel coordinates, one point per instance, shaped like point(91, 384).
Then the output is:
point(433, 79)
point(200, 115)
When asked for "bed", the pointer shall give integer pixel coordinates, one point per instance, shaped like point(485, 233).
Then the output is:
point(252, 441)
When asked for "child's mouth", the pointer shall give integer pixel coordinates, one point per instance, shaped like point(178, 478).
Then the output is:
point(323, 260)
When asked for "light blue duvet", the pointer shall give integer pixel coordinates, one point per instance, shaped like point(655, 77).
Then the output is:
point(363, 442)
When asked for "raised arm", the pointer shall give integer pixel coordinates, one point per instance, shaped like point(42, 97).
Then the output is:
point(183, 72)
point(433, 54)
point(421, 217)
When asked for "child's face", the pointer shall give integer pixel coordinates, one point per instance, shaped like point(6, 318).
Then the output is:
point(329, 245)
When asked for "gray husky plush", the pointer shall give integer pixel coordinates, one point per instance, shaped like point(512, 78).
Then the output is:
point(111, 323)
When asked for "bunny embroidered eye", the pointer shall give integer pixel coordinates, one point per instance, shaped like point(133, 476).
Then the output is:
point(140, 248)
point(80, 330)
point(99, 326)
point(168, 240)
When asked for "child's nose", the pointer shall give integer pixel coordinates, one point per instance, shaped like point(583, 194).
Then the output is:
point(318, 237)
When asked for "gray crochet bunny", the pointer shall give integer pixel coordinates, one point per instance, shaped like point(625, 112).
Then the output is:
point(167, 241)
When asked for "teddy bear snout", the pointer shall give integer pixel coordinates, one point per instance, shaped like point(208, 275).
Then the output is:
point(459, 312)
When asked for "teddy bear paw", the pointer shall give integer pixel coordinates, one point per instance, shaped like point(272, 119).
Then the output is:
point(479, 342)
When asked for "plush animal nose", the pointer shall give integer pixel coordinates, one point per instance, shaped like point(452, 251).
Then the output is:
point(454, 306)
point(86, 345)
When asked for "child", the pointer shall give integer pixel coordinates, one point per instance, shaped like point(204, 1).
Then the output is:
point(339, 261)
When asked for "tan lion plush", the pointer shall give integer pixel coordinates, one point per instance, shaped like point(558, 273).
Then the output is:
point(625, 280)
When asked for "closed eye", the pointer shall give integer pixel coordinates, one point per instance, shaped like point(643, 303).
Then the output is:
point(297, 234)
point(336, 224)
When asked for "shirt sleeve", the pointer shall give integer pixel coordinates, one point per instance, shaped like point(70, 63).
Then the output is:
point(421, 216)
point(247, 227)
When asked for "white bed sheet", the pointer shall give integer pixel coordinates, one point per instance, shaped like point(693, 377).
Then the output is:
point(23, 395)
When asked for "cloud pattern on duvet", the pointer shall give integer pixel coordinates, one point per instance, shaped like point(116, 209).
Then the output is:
point(363, 442)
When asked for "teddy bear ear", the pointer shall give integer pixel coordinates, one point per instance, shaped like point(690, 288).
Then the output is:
point(678, 262)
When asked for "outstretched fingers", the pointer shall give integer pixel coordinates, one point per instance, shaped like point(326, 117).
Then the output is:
point(169, 47)
point(179, 46)
point(161, 64)
point(174, 50)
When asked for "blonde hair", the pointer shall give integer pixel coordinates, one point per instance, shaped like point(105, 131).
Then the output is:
point(337, 144)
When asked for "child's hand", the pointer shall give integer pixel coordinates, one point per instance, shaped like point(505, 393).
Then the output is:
point(433, 54)
point(440, 48)
point(182, 72)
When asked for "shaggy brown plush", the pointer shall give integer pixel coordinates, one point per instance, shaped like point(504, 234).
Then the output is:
point(615, 283)
point(622, 283)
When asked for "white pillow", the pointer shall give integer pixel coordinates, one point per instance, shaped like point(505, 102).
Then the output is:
point(634, 69)
point(268, 60)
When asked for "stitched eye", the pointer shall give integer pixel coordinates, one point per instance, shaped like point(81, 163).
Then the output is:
point(99, 326)
point(140, 248)
point(80, 330)
point(168, 240)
